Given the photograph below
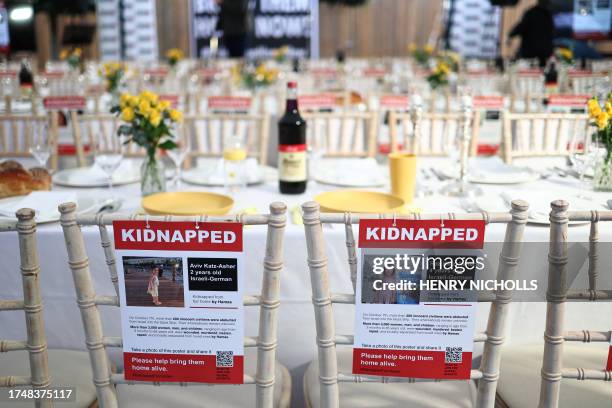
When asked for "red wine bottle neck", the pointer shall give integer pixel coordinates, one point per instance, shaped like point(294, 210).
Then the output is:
point(292, 103)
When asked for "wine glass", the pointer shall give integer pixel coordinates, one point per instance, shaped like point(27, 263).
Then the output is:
point(108, 161)
point(178, 156)
point(584, 161)
point(41, 147)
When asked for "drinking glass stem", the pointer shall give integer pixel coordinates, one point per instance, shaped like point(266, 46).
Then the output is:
point(110, 186)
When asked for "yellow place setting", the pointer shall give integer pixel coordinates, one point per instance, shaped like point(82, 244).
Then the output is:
point(187, 203)
point(359, 201)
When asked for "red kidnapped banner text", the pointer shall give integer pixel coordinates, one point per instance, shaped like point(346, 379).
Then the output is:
point(387, 233)
point(178, 236)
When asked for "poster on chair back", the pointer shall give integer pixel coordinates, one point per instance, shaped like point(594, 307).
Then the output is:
point(414, 312)
point(181, 299)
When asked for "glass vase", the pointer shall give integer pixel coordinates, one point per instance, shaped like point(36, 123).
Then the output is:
point(152, 177)
point(602, 179)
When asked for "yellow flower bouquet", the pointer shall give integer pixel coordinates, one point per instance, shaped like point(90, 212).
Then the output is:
point(439, 75)
point(113, 73)
point(72, 56)
point(280, 54)
point(421, 55)
point(600, 114)
point(148, 122)
point(255, 78)
point(565, 55)
point(174, 55)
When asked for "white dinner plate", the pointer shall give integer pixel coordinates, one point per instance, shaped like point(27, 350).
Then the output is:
point(349, 172)
point(84, 203)
point(213, 178)
point(95, 177)
point(492, 170)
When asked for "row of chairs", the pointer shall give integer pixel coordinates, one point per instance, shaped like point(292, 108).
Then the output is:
point(327, 382)
point(333, 134)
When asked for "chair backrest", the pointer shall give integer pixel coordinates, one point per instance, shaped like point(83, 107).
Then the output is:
point(430, 133)
point(207, 133)
point(87, 299)
point(585, 84)
point(99, 131)
point(542, 134)
point(17, 133)
point(342, 134)
point(556, 295)
point(323, 299)
point(31, 304)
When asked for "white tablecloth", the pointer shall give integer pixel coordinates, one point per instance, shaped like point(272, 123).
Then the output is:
point(296, 333)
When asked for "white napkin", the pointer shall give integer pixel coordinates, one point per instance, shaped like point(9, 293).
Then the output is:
point(493, 169)
point(95, 175)
point(44, 203)
point(356, 171)
point(211, 171)
point(539, 202)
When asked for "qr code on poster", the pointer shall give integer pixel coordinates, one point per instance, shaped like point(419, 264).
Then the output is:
point(225, 358)
point(453, 355)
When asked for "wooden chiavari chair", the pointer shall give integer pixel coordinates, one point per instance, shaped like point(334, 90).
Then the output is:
point(430, 133)
point(585, 83)
point(207, 133)
point(272, 380)
point(328, 381)
point(17, 135)
point(542, 134)
point(28, 363)
point(99, 133)
point(526, 366)
point(342, 134)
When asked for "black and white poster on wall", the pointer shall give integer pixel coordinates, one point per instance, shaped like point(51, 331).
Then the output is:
point(274, 23)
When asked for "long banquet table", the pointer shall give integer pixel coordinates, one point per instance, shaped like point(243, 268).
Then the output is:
point(296, 332)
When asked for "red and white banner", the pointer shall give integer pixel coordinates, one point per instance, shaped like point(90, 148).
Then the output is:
point(568, 100)
point(490, 102)
point(374, 72)
point(10, 74)
point(53, 74)
point(394, 102)
point(229, 103)
point(172, 98)
point(156, 72)
point(318, 101)
point(404, 324)
point(580, 73)
point(72, 102)
point(209, 73)
point(530, 72)
point(324, 72)
point(180, 292)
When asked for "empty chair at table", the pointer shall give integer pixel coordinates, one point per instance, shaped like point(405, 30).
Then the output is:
point(20, 133)
point(28, 363)
point(528, 135)
point(270, 384)
point(561, 373)
point(430, 133)
point(328, 382)
point(97, 133)
point(342, 134)
point(208, 133)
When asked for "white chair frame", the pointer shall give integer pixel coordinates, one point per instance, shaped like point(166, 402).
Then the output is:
point(323, 299)
point(31, 304)
point(88, 301)
point(557, 294)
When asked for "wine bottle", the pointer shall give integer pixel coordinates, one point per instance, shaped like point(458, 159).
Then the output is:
point(292, 172)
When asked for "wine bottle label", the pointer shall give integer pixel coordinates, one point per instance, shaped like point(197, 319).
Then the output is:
point(292, 162)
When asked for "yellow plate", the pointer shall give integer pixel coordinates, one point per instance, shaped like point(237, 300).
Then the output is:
point(359, 201)
point(187, 203)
